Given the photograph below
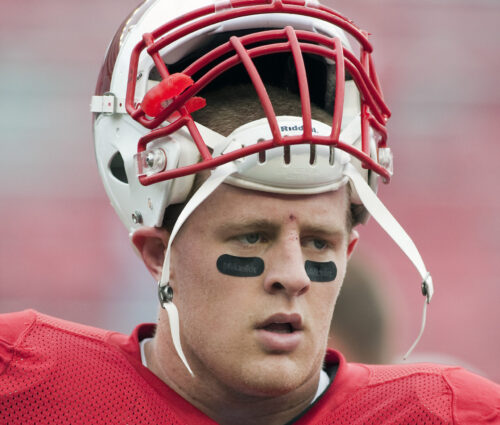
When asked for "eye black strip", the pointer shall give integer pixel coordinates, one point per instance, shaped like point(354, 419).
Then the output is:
point(240, 266)
point(321, 272)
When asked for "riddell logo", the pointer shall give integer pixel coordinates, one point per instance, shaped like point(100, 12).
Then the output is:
point(285, 128)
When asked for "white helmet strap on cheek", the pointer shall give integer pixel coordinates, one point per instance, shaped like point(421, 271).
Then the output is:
point(165, 292)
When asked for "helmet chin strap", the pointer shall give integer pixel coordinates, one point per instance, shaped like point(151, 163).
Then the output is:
point(371, 202)
point(165, 292)
point(385, 219)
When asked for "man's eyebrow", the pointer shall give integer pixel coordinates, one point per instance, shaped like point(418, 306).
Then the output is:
point(252, 225)
point(249, 225)
point(327, 230)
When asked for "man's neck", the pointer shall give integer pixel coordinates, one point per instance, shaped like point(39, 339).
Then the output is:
point(226, 405)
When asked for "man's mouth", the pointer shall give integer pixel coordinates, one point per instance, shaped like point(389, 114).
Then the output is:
point(281, 328)
point(281, 332)
point(282, 323)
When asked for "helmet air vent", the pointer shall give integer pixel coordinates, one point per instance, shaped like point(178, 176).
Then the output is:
point(312, 154)
point(332, 155)
point(117, 168)
point(286, 154)
point(262, 154)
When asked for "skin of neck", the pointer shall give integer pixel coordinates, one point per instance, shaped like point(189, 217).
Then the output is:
point(225, 405)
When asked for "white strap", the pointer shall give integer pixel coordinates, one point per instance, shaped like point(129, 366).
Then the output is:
point(173, 320)
point(422, 327)
point(212, 183)
point(385, 219)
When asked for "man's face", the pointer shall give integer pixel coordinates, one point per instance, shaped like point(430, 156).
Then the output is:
point(265, 333)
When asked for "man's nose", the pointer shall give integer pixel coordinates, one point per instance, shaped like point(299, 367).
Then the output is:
point(285, 271)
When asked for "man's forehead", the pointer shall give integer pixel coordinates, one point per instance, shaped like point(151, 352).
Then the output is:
point(245, 208)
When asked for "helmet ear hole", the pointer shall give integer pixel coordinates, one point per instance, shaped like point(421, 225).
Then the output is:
point(117, 168)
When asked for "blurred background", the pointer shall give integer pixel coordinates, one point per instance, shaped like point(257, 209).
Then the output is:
point(64, 252)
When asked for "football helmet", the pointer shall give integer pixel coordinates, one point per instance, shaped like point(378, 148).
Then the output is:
point(166, 55)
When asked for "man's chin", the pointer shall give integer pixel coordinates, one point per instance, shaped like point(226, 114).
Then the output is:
point(274, 376)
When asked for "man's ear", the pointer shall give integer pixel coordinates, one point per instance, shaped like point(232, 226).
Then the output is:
point(151, 243)
point(351, 244)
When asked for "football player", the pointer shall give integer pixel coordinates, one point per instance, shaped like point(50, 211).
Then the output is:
point(240, 143)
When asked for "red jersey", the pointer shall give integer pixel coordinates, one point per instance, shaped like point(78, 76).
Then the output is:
point(57, 372)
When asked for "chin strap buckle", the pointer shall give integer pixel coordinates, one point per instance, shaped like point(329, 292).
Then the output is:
point(428, 287)
point(165, 294)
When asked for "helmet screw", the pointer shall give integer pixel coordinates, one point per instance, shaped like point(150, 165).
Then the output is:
point(137, 217)
point(150, 159)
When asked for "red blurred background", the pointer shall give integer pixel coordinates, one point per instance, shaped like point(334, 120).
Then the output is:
point(64, 252)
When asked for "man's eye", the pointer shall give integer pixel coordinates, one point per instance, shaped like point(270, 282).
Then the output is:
point(250, 238)
point(319, 243)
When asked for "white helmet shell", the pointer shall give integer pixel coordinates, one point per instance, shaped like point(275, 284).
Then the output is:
point(117, 133)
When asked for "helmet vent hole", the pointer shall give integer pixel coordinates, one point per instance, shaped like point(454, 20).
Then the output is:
point(286, 154)
point(117, 167)
point(312, 154)
point(332, 155)
point(262, 154)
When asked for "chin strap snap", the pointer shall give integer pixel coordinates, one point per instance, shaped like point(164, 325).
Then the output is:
point(385, 219)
